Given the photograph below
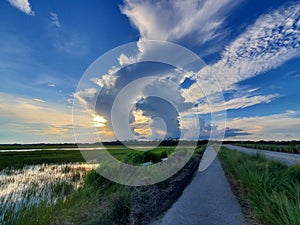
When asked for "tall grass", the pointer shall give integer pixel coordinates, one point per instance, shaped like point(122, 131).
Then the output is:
point(60, 194)
point(273, 147)
point(272, 188)
point(23, 189)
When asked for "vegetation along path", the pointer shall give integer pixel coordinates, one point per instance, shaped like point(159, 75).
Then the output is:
point(287, 158)
point(207, 200)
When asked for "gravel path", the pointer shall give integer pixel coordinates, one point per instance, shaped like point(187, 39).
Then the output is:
point(287, 158)
point(207, 200)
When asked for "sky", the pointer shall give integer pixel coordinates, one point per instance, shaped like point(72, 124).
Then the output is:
point(250, 67)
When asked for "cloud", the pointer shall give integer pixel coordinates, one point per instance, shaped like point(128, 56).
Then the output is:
point(85, 97)
point(229, 133)
point(284, 126)
point(140, 124)
point(54, 19)
point(107, 80)
point(271, 41)
point(22, 5)
point(265, 45)
point(39, 100)
point(189, 125)
point(235, 103)
point(46, 122)
point(268, 43)
point(177, 19)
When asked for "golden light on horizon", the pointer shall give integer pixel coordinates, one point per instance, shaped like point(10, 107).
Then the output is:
point(99, 121)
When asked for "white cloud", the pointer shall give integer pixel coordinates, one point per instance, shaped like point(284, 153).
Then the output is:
point(54, 19)
point(177, 19)
point(271, 41)
point(85, 97)
point(107, 80)
point(140, 124)
point(125, 60)
point(39, 100)
point(234, 103)
point(22, 5)
point(284, 126)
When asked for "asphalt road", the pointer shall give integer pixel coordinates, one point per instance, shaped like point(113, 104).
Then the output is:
point(287, 158)
point(207, 200)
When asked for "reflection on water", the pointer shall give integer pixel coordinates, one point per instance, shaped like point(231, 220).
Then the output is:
point(23, 188)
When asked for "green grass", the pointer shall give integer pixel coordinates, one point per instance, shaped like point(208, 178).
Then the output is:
point(272, 188)
point(98, 201)
point(290, 148)
point(20, 159)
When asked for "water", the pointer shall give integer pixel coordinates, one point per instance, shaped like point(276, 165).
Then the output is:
point(24, 188)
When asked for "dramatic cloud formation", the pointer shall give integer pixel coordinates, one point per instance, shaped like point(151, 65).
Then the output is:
point(178, 19)
point(22, 5)
point(271, 41)
point(268, 43)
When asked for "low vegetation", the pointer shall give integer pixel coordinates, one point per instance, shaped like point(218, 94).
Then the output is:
point(271, 188)
point(283, 146)
point(96, 200)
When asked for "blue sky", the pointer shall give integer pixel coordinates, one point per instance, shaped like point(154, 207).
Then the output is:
point(251, 46)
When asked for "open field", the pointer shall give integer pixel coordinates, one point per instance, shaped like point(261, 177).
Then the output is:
point(271, 188)
point(19, 159)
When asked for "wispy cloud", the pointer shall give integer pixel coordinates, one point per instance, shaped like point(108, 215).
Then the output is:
point(47, 121)
point(54, 19)
point(175, 20)
point(271, 41)
point(39, 100)
point(234, 103)
point(284, 126)
point(22, 5)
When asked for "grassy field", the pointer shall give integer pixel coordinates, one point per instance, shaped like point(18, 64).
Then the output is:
point(65, 196)
point(277, 147)
point(20, 159)
point(35, 146)
point(271, 188)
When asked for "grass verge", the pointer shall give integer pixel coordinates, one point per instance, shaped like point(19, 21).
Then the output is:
point(271, 188)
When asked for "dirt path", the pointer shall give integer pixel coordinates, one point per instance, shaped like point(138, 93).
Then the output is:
point(207, 200)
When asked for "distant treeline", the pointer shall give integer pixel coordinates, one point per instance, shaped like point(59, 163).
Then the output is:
point(173, 142)
point(268, 145)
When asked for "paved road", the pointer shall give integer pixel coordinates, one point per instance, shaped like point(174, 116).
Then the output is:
point(287, 158)
point(207, 200)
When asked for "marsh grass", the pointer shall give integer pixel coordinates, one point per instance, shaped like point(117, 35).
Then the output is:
point(272, 188)
point(70, 194)
point(32, 186)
